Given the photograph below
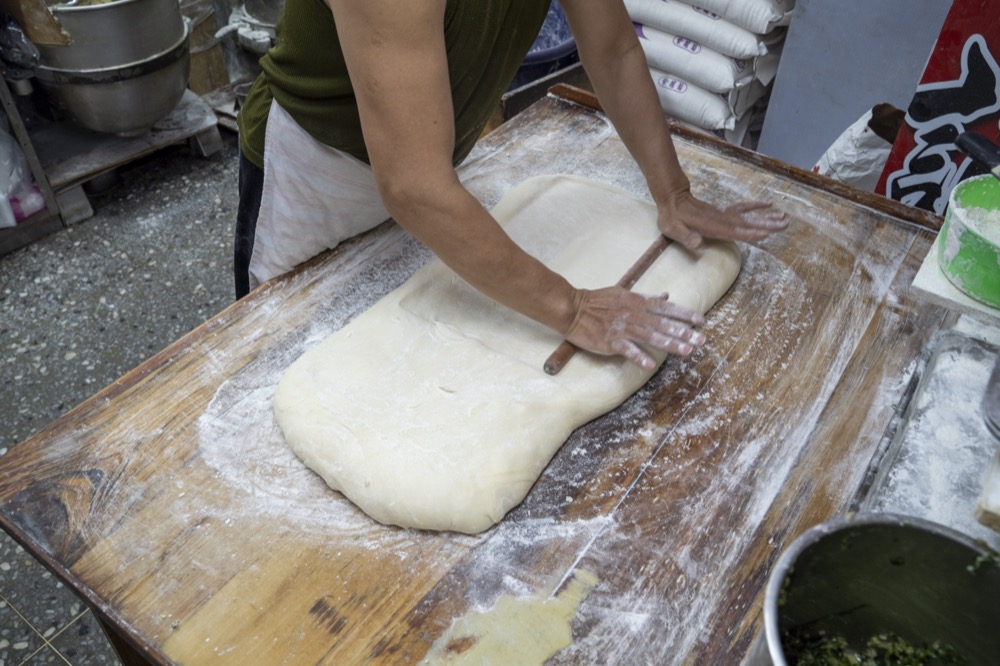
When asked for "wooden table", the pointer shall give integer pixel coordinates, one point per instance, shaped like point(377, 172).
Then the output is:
point(170, 503)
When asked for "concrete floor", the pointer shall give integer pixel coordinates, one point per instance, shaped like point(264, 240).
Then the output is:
point(80, 308)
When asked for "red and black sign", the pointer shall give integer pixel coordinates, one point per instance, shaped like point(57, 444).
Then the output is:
point(958, 92)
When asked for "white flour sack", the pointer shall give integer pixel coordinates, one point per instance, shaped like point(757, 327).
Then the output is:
point(757, 16)
point(708, 29)
point(693, 62)
point(692, 104)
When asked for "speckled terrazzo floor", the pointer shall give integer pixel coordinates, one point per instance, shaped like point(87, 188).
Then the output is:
point(80, 308)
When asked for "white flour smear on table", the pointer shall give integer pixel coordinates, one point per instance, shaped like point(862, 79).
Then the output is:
point(240, 439)
point(944, 448)
point(725, 468)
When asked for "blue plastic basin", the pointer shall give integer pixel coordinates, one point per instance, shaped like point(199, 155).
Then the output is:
point(554, 48)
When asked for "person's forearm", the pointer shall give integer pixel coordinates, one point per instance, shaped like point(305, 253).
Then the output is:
point(456, 227)
point(626, 92)
point(396, 56)
point(609, 321)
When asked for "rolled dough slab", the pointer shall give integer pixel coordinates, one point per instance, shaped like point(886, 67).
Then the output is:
point(431, 409)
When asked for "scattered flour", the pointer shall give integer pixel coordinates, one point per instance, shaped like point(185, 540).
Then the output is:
point(944, 447)
point(240, 439)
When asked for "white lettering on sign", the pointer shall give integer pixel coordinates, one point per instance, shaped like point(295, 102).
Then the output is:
point(939, 112)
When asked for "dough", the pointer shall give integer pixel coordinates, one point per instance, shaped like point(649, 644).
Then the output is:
point(431, 409)
point(517, 630)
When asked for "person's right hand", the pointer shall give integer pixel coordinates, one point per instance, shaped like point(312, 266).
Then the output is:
point(689, 220)
point(616, 321)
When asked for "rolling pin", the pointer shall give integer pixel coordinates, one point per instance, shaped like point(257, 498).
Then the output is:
point(982, 151)
point(565, 351)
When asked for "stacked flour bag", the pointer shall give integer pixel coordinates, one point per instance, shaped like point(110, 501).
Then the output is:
point(712, 63)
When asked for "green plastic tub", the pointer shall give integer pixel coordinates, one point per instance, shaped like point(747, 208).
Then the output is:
point(969, 250)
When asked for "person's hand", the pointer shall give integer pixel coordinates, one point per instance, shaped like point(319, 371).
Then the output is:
point(616, 321)
point(689, 221)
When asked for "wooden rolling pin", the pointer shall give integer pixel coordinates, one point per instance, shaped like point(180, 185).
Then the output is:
point(565, 351)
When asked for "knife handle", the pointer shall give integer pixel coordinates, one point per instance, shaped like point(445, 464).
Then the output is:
point(980, 149)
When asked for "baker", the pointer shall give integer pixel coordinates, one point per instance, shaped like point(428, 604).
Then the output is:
point(364, 107)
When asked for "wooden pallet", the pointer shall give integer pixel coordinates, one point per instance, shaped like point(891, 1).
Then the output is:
point(70, 157)
point(73, 156)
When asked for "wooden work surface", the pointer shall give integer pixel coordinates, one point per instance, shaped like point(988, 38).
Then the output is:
point(170, 502)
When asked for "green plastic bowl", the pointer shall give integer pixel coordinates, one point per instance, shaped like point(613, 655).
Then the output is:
point(969, 250)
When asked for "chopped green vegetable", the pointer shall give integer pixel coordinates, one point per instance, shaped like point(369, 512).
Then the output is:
point(989, 557)
point(883, 649)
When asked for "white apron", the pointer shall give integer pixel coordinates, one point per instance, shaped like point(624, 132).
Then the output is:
point(313, 197)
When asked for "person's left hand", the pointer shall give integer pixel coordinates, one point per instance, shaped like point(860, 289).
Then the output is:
point(689, 221)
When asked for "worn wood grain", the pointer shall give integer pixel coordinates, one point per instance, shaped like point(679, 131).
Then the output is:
point(171, 504)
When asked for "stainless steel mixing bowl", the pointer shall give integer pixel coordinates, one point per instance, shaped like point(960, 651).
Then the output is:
point(126, 66)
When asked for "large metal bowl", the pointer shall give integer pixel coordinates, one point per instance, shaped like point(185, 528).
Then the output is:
point(126, 67)
point(855, 578)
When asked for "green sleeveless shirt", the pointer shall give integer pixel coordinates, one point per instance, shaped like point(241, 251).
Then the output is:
point(305, 72)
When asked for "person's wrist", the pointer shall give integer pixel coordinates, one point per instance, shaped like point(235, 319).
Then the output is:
point(569, 312)
point(671, 199)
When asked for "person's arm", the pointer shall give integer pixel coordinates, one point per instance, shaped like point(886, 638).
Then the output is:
point(395, 55)
point(616, 66)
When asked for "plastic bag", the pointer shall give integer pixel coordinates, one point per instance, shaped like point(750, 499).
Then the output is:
point(20, 196)
point(858, 155)
point(18, 55)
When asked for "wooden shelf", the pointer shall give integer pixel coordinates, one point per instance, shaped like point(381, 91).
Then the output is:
point(64, 157)
point(45, 222)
